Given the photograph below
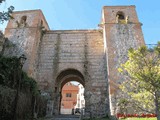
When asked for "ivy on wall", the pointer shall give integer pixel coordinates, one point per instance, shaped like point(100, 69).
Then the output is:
point(10, 73)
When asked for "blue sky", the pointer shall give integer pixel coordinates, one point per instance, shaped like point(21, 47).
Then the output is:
point(86, 14)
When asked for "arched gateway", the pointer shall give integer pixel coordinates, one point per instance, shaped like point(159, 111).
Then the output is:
point(64, 77)
point(89, 56)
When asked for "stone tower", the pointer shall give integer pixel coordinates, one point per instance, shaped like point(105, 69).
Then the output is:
point(90, 57)
point(121, 31)
point(24, 34)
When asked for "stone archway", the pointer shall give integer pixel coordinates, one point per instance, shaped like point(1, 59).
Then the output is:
point(64, 77)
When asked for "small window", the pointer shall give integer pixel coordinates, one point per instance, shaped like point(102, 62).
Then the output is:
point(120, 15)
point(120, 18)
point(68, 95)
point(22, 22)
point(23, 19)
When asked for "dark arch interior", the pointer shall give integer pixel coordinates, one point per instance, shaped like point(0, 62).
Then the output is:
point(23, 19)
point(120, 15)
point(70, 75)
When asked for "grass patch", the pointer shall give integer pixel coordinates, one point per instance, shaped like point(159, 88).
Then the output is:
point(97, 119)
point(139, 119)
point(103, 118)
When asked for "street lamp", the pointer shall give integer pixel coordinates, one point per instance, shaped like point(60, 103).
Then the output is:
point(21, 62)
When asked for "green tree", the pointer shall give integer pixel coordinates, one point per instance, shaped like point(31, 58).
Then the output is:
point(142, 70)
point(5, 15)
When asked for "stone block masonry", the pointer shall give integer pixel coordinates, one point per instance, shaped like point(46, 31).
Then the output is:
point(91, 57)
point(82, 50)
point(120, 35)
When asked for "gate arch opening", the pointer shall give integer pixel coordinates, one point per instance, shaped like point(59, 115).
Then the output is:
point(65, 77)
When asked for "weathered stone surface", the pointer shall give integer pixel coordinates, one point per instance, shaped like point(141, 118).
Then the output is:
point(90, 57)
point(119, 38)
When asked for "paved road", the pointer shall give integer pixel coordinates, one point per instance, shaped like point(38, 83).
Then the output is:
point(65, 117)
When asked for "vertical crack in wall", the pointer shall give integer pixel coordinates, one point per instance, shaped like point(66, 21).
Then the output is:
point(55, 92)
point(38, 54)
point(86, 74)
point(106, 101)
point(56, 58)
